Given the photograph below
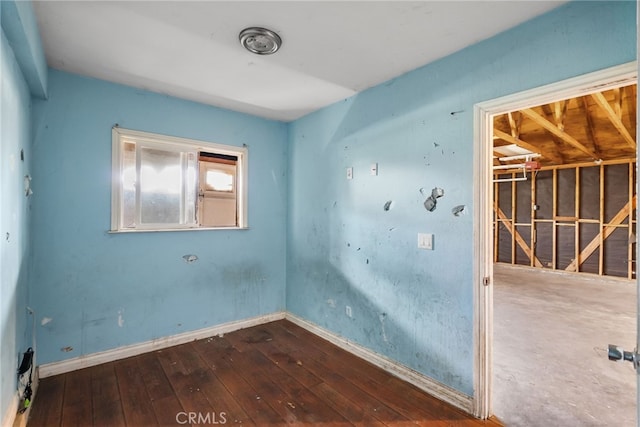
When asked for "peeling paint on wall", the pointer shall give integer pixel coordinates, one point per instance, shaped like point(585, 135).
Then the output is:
point(431, 202)
point(459, 210)
point(120, 318)
point(66, 349)
point(45, 320)
point(190, 258)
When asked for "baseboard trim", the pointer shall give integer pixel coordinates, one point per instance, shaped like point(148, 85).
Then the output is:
point(55, 368)
point(429, 385)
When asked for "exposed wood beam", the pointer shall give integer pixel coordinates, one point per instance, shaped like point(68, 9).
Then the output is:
point(523, 144)
point(617, 102)
point(630, 97)
point(591, 132)
point(559, 110)
point(515, 120)
point(537, 118)
point(519, 240)
point(613, 117)
point(606, 232)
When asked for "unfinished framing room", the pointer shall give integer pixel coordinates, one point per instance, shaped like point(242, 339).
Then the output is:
point(318, 213)
point(564, 230)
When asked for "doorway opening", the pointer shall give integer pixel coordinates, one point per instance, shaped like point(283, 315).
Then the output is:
point(544, 162)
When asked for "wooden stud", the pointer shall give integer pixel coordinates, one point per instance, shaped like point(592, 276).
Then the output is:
point(576, 235)
point(513, 220)
point(532, 219)
point(516, 237)
point(606, 232)
point(554, 211)
point(600, 228)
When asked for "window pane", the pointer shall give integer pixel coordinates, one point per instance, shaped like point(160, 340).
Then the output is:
point(218, 180)
point(161, 186)
point(128, 185)
point(191, 188)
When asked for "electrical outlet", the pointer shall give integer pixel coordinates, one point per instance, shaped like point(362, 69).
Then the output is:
point(347, 310)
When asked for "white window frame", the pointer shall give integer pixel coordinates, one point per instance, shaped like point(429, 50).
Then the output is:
point(171, 143)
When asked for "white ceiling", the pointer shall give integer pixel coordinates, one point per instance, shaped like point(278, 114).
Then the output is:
point(331, 49)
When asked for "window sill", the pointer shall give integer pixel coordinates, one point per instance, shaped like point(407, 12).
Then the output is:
point(142, 230)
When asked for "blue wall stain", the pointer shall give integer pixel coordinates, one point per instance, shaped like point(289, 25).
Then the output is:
point(316, 242)
point(412, 305)
point(84, 276)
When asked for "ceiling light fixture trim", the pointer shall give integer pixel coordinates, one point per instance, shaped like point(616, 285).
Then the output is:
point(260, 40)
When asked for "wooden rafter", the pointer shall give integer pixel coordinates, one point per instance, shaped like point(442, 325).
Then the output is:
point(629, 91)
point(614, 118)
point(537, 118)
point(523, 144)
point(515, 120)
point(590, 129)
point(519, 240)
point(617, 102)
point(602, 236)
point(559, 110)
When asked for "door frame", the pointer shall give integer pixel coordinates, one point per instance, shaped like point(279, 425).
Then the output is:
point(484, 112)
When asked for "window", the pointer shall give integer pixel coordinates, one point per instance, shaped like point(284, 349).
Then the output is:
point(168, 183)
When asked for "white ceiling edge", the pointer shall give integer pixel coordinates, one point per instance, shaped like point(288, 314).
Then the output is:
point(331, 49)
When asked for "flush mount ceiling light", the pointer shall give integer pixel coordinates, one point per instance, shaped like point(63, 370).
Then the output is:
point(260, 40)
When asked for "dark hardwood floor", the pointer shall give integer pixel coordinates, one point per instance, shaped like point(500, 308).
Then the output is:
point(269, 375)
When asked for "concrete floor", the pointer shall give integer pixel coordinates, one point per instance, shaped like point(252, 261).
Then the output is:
point(550, 341)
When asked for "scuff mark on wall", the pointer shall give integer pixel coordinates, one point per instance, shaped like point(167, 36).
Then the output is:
point(331, 302)
point(45, 320)
point(383, 317)
point(388, 206)
point(120, 318)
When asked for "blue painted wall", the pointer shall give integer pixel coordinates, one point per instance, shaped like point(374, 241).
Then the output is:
point(85, 279)
point(412, 305)
point(15, 135)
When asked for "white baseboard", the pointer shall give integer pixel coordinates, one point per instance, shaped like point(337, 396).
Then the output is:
point(55, 368)
point(10, 416)
point(429, 385)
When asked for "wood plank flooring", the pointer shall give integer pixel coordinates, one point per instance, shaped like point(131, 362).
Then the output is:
point(270, 375)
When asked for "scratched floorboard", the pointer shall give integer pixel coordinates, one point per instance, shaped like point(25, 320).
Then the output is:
point(270, 375)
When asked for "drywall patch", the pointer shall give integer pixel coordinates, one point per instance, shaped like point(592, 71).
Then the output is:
point(190, 258)
point(45, 320)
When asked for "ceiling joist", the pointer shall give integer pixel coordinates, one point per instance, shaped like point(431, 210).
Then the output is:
point(529, 147)
point(553, 129)
point(614, 118)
